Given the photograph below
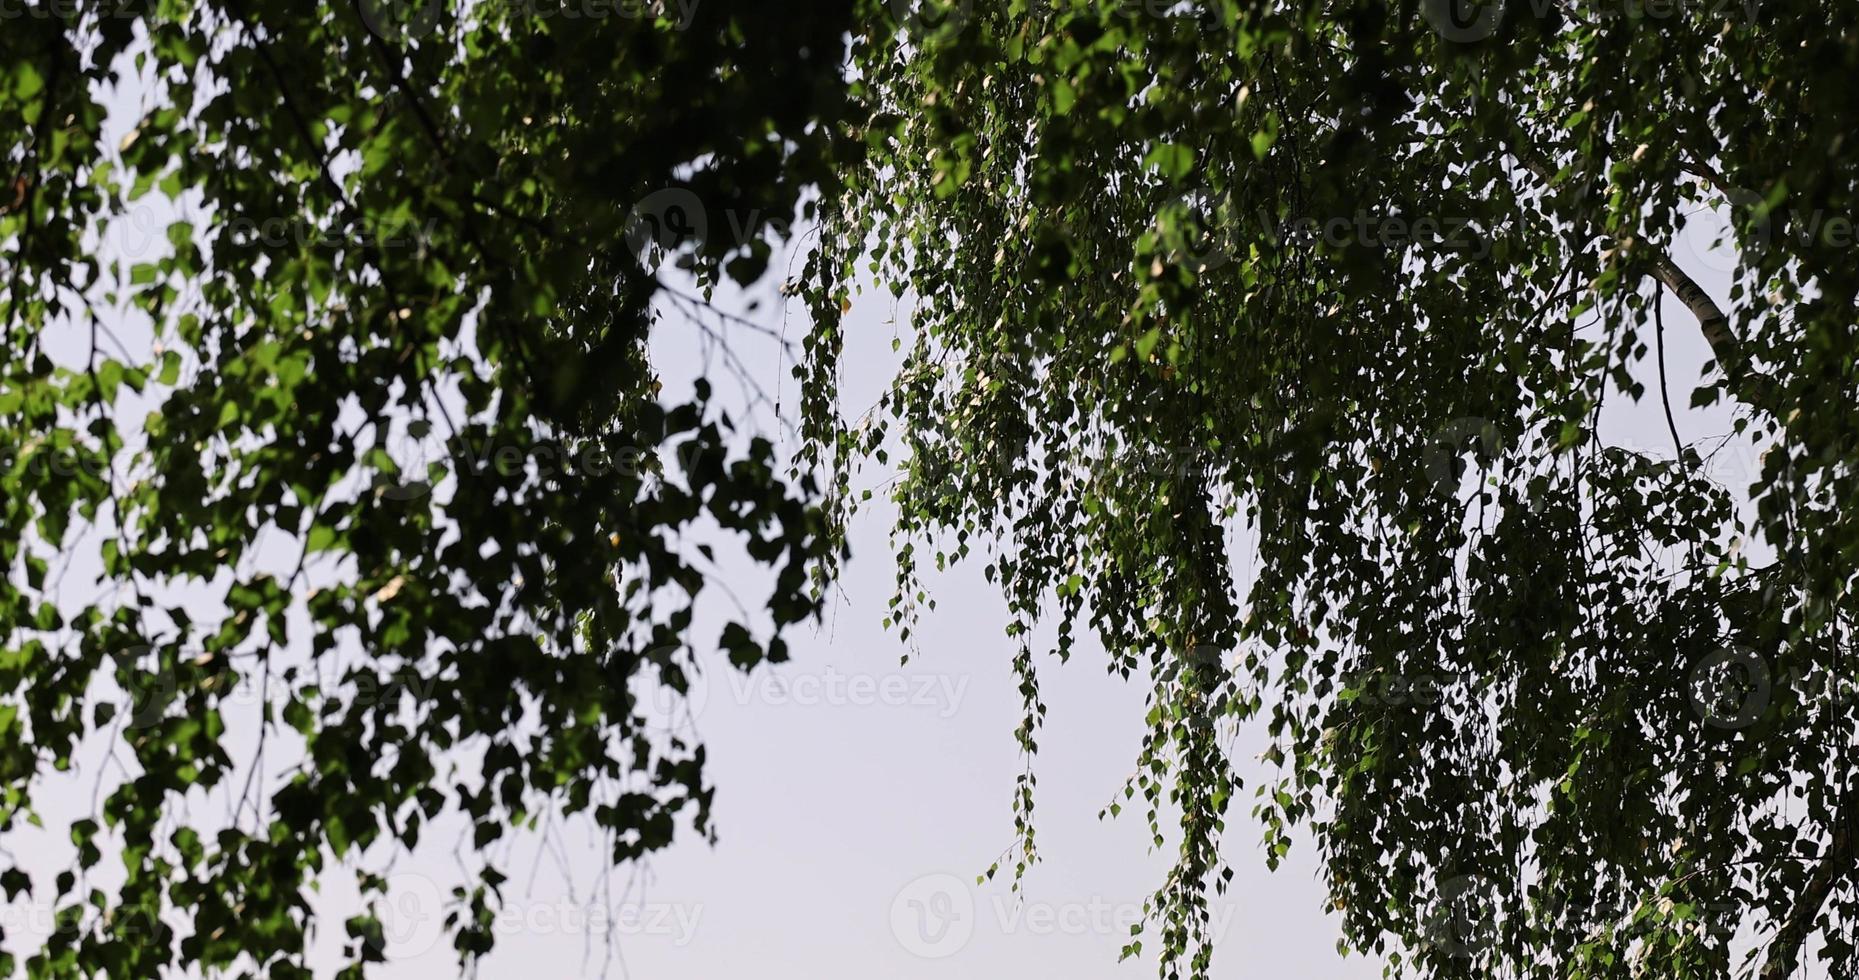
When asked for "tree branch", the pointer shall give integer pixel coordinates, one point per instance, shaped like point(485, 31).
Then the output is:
point(1751, 386)
point(1785, 952)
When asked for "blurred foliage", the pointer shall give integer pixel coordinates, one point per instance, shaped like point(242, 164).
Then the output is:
point(393, 225)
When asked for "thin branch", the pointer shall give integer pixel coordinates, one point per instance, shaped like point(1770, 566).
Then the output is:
point(1665, 392)
point(1751, 386)
point(1839, 862)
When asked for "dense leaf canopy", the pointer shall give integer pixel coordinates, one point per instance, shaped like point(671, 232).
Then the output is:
point(410, 227)
point(1268, 341)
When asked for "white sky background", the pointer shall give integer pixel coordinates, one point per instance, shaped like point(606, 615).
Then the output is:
point(858, 799)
